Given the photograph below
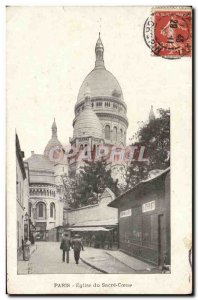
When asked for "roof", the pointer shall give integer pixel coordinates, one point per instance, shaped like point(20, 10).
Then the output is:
point(87, 124)
point(20, 155)
point(40, 162)
point(141, 183)
point(107, 222)
point(102, 83)
point(88, 229)
point(154, 177)
point(84, 207)
point(41, 169)
point(108, 192)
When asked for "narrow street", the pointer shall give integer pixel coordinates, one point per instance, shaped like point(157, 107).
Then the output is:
point(47, 259)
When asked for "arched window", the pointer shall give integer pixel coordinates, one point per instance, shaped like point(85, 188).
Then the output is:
point(121, 133)
point(115, 133)
point(52, 210)
point(107, 132)
point(41, 210)
point(30, 209)
point(86, 150)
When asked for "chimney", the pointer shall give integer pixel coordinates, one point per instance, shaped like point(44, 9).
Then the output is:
point(32, 153)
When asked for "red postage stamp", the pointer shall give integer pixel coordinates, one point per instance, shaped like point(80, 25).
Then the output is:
point(172, 33)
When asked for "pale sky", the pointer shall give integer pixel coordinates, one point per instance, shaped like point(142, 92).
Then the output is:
point(50, 50)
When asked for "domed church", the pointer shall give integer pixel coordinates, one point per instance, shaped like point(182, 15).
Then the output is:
point(100, 119)
point(100, 111)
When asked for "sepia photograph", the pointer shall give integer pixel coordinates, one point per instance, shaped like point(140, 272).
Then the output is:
point(94, 100)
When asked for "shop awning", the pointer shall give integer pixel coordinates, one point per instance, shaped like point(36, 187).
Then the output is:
point(96, 223)
point(88, 229)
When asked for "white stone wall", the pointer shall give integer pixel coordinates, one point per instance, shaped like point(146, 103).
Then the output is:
point(60, 169)
point(51, 222)
point(98, 213)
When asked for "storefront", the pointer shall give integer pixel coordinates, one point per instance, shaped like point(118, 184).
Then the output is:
point(56, 234)
point(97, 236)
point(144, 219)
point(41, 232)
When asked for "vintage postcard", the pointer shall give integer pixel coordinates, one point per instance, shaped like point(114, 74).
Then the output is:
point(99, 140)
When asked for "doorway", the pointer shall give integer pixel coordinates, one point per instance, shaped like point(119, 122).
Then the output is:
point(161, 239)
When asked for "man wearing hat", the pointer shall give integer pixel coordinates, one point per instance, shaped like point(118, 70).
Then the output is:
point(65, 246)
point(77, 246)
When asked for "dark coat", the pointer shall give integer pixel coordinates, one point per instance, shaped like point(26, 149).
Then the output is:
point(65, 244)
point(77, 244)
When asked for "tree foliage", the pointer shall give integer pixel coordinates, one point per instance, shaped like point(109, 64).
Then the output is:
point(155, 136)
point(87, 186)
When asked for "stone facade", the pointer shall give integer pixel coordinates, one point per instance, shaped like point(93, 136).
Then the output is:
point(46, 187)
point(22, 197)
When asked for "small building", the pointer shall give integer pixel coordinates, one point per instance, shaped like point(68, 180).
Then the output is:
point(144, 219)
point(22, 198)
point(97, 224)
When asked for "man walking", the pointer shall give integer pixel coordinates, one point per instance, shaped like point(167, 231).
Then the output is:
point(77, 246)
point(65, 246)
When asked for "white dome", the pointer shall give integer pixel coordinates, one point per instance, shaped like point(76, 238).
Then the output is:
point(101, 83)
point(87, 124)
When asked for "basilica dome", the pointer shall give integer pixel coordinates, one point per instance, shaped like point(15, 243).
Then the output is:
point(87, 124)
point(106, 117)
point(102, 83)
